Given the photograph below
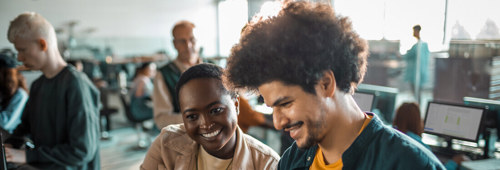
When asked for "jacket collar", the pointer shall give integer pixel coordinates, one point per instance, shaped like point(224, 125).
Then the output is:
point(241, 152)
point(180, 142)
point(366, 137)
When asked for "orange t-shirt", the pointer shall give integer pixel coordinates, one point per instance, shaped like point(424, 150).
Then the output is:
point(319, 160)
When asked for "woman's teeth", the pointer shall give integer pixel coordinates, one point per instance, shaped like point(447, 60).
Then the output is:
point(208, 135)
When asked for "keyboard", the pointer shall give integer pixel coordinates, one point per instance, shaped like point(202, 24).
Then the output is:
point(449, 153)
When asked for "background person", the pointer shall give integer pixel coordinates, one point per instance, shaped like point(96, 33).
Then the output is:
point(13, 93)
point(165, 104)
point(408, 121)
point(61, 115)
point(142, 91)
point(417, 59)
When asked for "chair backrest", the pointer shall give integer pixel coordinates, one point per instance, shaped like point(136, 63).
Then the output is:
point(125, 99)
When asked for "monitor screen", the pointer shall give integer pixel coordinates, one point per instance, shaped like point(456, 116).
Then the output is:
point(384, 101)
point(364, 100)
point(492, 111)
point(453, 120)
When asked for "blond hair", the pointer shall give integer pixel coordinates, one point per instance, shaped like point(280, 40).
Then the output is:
point(32, 26)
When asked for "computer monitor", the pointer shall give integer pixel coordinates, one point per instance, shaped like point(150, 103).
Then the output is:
point(364, 100)
point(384, 101)
point(492, 109)
point(453, 121)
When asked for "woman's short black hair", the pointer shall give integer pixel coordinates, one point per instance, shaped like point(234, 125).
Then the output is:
point(141, 68)
point(204, 70)
point(296, 47)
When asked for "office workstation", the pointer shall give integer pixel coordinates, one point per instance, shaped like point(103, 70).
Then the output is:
point(431, 79)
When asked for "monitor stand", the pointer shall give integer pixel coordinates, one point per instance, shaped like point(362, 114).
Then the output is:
point(448, 144)
point(489, 145)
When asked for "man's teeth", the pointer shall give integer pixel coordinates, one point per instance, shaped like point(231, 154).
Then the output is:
point(208, 135)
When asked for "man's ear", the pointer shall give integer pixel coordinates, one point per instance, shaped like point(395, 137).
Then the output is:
point(237, 105)
point(327, 84)
point(43, 44)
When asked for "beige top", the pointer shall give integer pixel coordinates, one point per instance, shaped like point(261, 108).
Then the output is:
point(209, 162)
point(173, 149)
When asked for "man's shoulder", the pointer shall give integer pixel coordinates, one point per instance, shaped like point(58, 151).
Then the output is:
point(76, 77)
point(395, 149)
point(396, 139)
point(68, 74)
point(170, 67)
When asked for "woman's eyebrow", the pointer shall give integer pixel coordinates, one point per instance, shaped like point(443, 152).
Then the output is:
point(213, 103)
point(208, 106)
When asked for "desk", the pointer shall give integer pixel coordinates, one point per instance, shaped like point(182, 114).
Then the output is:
point(485, 164)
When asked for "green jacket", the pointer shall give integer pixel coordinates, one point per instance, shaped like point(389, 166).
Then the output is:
point(377, 147)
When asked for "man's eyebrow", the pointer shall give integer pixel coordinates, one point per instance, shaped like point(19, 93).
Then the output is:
point(281, 99)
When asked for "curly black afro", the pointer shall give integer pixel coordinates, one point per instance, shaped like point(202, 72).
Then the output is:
point(296, 47)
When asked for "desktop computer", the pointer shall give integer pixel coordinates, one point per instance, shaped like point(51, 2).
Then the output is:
point(491, 122)
point(453, 121)
point(492, 108)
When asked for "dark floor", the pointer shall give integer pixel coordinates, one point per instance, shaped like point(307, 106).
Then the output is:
point(120, 151)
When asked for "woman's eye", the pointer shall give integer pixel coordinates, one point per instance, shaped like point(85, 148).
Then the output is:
point(192, 117)
point(216, 110)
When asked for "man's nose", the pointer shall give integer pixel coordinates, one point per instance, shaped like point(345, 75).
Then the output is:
point(279, 120)
point(189, 44)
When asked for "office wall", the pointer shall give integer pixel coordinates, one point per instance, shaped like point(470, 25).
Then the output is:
point(122, 21)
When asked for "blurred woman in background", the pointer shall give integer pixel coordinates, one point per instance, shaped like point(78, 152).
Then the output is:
point(142, 89)
point(13, 93)
point(409, 122)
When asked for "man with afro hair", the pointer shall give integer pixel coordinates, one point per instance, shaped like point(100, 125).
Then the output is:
point(306, 63)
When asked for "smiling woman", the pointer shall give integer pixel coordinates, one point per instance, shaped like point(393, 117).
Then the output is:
point(209, 117)
point(210, 137)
